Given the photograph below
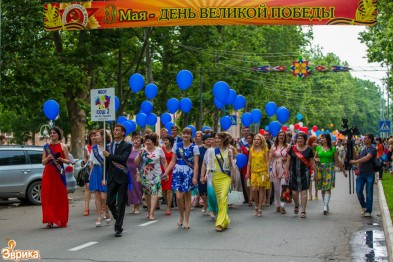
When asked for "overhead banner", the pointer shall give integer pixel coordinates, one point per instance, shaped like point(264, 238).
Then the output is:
point(152, 13)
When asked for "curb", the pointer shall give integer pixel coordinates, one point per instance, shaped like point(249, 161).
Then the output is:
point(386, 221)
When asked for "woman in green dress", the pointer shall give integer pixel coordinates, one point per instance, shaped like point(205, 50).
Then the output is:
point(327, 158)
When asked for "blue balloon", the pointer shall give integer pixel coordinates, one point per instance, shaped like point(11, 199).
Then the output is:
point(121, 119)
point(151, 119)
point(51, 109)
point(221, 91)
point(117, 103)
point(147, 107)
point(206, 128)
point(136, 82)
point(318, 133)
point(225, 122)
point(193, 129)
point(133, 125)
point(334, 138)
point(141, 119)
point(165, 118)
point(172, 105)
point(282, 114)
point(327, 131)
point(184, 79)
point(274, 128)
point(267, 128)
point(241, 160)
point(151, 91)
point(168, 127)
point(185, 104)
point(247, 119)
point(299, 117)
point(256, 115)
point(128, 127)
point(218, 104)
point(240, 102)
point(231, 97)
point(270, 108)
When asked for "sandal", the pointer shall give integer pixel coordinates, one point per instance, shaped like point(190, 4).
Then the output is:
point(108, 219)
point(283, 211)
point(303, 214)
point(219, 229)
point(296, 210)
point(186, 227)
point(98, 222)
point(256, 211)
point(86, 213)
point(259, 213)
point(49, 225)
point(179, 224)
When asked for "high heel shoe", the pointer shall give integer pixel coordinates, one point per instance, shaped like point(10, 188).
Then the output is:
point(98, 222)
point(49, 225)
point(86, 213)
point(108, 219)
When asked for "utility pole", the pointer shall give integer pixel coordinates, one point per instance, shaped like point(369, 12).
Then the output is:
point(200, 99)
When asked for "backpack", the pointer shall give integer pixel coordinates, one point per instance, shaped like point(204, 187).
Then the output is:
point(375, 162)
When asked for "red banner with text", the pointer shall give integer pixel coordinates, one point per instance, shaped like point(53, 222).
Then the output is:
point(143, 13)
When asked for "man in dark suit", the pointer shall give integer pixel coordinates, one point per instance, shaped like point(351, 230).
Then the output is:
point(116, 160)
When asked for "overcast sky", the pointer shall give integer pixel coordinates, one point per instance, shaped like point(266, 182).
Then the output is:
point(343, 41)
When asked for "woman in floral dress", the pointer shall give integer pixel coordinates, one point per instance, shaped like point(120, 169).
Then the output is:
point(150, 159)
point(327, 158)
point(257, 170)
point(185, 174)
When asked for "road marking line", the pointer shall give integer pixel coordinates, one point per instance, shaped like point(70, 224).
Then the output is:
point(148, 223)
point(82, 246)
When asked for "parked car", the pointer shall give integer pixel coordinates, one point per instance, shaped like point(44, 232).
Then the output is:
point(79, 164)
point(21, 173)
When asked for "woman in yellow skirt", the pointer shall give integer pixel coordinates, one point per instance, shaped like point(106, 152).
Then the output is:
point(257, 164)
point(220, 162)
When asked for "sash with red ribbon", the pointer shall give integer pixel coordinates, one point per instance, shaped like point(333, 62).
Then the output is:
point(302, 159)
point(59, 167)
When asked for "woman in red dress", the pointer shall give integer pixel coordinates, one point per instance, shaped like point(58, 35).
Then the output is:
point(54, 197)
point(166, 184)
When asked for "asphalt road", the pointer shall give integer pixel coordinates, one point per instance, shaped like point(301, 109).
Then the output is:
point(339, 236)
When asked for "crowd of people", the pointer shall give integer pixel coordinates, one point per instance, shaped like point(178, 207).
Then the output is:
point(178, 168)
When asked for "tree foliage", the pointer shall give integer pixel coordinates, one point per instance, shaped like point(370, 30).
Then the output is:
point(64, 66)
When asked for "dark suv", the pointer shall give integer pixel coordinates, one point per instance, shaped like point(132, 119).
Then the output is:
point(21, 173)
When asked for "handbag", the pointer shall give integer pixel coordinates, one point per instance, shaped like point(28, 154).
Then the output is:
point(80, 179)
point(235, 197)
point(286, 194)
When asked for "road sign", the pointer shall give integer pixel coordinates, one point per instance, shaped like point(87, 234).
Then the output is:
point(102, 102)
point(384, 126)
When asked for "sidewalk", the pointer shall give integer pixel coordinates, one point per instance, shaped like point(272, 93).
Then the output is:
point(386, 220)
